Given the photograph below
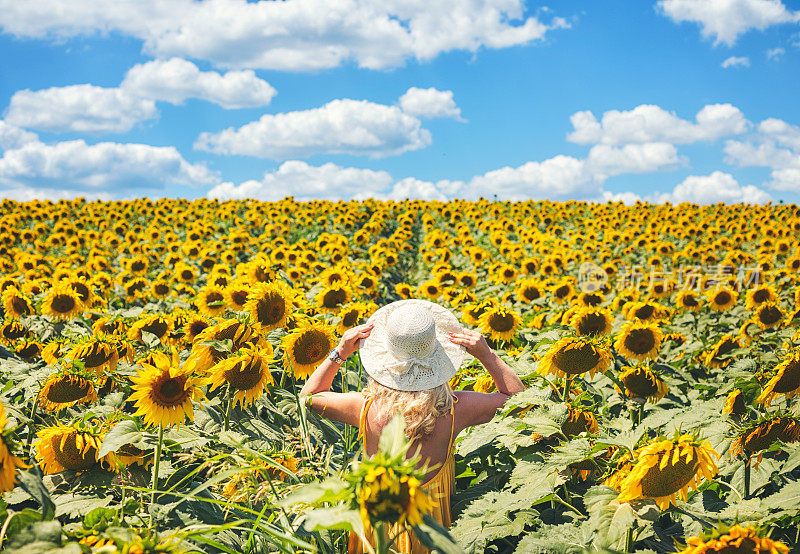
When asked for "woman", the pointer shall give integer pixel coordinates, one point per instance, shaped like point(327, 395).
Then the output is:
point(410, 350)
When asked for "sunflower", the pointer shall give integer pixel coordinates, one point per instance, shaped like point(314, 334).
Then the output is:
point(759, 436)
point(307, 346)
point(66, 388)
point(759, 295)
point(205, 355)
point(786, 380)
point(562, 291)
point(16, 304)
point(386, 496)
point(430, 289)
point(211, 301)
point(8, 462)
point(160, 289)
point(499, 322)
point(642, 382)
point(247, 373)
point(61, 302)
point(97, 353)
point(110, 326)
point(163, 391)
point(28, 349)
point(72, 448)
point(688, 300)
point(592, 322)
point(403, 290)
point(575, 356)
point(579, 421)
point(193, 326)
point(236, 294)
point(768, 315)
point(722, 298)
point(471, 313)
point(645, 311)
point(54, 350)
point(723, 347)
point(529, 290)
point(13, 330)
point(333, 297)
point(269, 304)
point(735, 404)
point(353, 314)
point(666, 467)
point(734, 539)
point(129, 454)
point(156, 324)
point(639, 340)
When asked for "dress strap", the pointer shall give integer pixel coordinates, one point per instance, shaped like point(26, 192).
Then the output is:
point(453, 424)
point(362, 420)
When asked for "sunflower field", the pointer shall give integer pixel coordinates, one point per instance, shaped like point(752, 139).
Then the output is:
point(152, 354)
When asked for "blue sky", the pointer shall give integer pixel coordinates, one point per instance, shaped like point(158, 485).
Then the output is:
point(675, 100)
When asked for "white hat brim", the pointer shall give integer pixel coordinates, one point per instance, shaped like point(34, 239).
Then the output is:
point(445, 361)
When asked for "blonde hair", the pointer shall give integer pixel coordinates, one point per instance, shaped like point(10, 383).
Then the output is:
point(420, 409)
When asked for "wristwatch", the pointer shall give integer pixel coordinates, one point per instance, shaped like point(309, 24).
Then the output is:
point(334, 357)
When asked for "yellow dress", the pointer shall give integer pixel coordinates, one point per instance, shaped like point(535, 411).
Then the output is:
point(439, 489)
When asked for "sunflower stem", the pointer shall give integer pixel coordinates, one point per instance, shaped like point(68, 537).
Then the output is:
point(29, 440)
point(747, 478)
point(156, 463)
point(628, 539)
point(567, 385)
point(381, 540)
point(229, 403)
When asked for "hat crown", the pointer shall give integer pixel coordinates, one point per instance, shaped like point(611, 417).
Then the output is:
point(411, 332)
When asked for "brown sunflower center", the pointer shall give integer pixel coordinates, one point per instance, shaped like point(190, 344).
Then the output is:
point(213, 299)
point(591, 324)
point(239, 297)
point(722, 298)
point(351, 318)
point(70, 456)
point(640, 341)
point(137, 266)
point(659, 482)
point(592, 299)
point(334, 298)
point(169, 391)
point(790, 379)
point(641, 383)
point(271, 309)
point(645, 312)
point(574, 359)
point(578, 422)
point(161, 289)
point(761, 295)
point(727, 346)
point(82, 290)
point(311, 347)
point(531, 293)
point(763, 435)
point(62, 303)
point(187, 274)
point(197, 326)
point(96, 355)
point(158, 327)
point(562, 291)
point(501, 323)
point(690, 301)
point(244, 375)
point(20, 306)
point(65, 389)
point(769, 315)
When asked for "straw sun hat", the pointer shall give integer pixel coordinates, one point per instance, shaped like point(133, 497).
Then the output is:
point(409, 348)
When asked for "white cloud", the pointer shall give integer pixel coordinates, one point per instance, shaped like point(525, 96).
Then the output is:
point(175, 80)
point(106, 167)
point(293, 35)
point(649, 123)
point(710, 189)
point(775, 53)
point(306, 182)
point(725, 20)
point(605, 160)
point(775, 146)
point(80, 108)
point(429, 102)
point(13, 137)
point(734, 61)
point(628, 198)
point(341, 126)
point(22, 193)
point(559, 177)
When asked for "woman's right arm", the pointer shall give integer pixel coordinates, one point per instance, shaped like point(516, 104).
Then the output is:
point(481, 407)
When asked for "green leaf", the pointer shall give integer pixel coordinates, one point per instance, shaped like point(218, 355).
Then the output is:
point(434, 536)
point(607, 517)
point(124, 432)
point(555, 539)
point(338, 517)
point(393, 439)
point(34, 486)
point(98, 516)
point(75, 505)
point(330, 490)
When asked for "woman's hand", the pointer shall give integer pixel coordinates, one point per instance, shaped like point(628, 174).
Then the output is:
point(351, 339)
point(473, 342)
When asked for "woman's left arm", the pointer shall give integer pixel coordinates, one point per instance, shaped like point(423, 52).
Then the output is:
point(344, 407)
